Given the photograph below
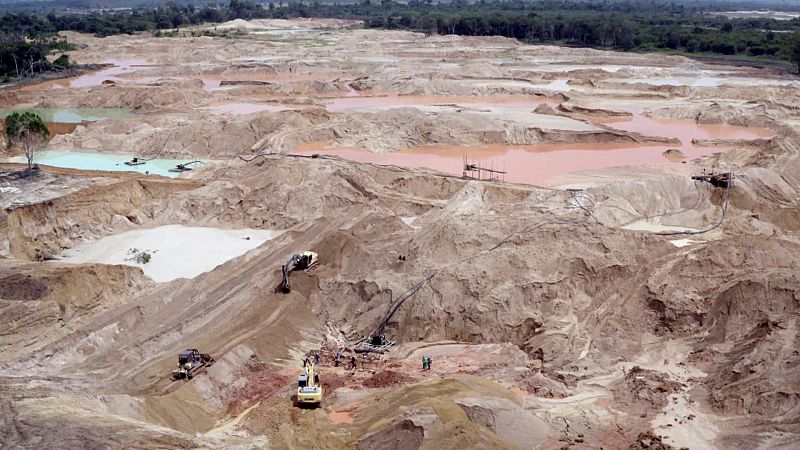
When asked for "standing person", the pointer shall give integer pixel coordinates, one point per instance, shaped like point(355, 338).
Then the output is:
point(424, 362)
point(338, 359)
point(353, 362)
point(429, 362)
point(316, 358)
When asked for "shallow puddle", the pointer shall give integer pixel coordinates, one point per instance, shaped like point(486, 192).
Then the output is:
point(396, 101)
point(175, 251)
point(103, 161)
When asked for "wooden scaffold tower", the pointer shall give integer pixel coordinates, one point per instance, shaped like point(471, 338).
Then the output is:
point(478, 170)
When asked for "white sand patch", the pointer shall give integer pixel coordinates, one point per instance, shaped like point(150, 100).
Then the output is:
point(644, 225)
point(684, 242)
point(586, 185)
point(176, 251)
point(409, 220)
point(698, 432)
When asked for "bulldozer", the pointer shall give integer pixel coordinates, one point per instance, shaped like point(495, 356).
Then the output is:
point(301, 261)
point(309, 390)
point(190, 363)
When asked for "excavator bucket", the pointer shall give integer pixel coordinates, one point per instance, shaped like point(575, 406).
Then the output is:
point(301, 261)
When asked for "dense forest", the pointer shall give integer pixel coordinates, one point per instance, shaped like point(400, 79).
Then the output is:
point(627, 25)
point(24, 48)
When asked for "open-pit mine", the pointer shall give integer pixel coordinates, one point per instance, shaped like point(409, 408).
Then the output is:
point(498, 245)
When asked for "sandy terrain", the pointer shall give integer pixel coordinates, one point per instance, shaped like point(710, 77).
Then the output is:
point(593, 296)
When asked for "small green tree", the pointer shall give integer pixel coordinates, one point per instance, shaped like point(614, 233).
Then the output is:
point(62, 62)
point(28, 132)
point(795, 49)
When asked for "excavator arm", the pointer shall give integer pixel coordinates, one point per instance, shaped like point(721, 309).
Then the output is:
point(301, 261)
point(287, 269)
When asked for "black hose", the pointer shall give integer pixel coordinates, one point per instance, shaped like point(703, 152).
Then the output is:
point(718, 222)
point(164, 145)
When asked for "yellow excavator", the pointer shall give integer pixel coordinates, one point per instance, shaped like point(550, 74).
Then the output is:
point(309, 389)
point(300, 261)
point(190, 363)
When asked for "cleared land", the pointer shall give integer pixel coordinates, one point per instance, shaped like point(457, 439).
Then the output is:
point(555, 317)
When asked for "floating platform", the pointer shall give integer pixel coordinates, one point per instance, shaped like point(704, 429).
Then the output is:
point(135, 162)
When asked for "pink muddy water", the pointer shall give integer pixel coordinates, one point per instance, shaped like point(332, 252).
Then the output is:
point(686, 130)
point(517, 101)
point(530, 164)
point(247, 108)
point(121, 67)
point(214, 81)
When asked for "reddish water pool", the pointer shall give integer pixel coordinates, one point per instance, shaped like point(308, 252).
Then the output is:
point(686, 130)
point(531, 164)
point(351, 103)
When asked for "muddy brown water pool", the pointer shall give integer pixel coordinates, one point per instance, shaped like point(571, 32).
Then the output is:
point(120, 68)
point(530, 164)
point(686, 130)
point(543, 164)
point(355, 103)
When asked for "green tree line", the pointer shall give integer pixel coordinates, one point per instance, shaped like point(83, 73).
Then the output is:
point(627, 25)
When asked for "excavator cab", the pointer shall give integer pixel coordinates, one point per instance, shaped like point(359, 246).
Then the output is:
point(190, 363)
point(309, 389)
point(188, 356)
point(300, 261)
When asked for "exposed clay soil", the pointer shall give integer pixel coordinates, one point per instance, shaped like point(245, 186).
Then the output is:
point(386, 379)
point(558, 316)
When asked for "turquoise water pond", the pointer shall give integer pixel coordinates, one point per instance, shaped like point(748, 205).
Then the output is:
point(105, 161)
point(72, 115)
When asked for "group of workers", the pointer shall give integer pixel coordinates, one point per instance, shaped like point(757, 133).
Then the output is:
point(338, 360)
point(426, 361)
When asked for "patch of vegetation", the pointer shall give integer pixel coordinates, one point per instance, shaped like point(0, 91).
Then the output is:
point(25, 43)
point(27, 132)
point(139, 256)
